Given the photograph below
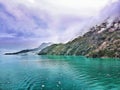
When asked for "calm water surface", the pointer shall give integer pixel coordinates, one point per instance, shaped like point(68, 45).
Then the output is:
point(58, 73)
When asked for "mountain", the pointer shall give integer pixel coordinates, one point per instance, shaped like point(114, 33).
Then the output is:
point(28, 51)
point(102, 40)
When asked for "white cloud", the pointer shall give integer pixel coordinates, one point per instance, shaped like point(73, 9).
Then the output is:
point(6, 35)
point(114, 1)
point(65, 18)
point(74, 7)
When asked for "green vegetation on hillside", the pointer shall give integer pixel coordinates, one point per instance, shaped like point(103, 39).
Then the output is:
point(101, 41)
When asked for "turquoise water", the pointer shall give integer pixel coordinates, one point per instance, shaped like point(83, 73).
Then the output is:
point(58, 73)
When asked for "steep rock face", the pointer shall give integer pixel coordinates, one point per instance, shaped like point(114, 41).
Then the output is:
point(101, 41)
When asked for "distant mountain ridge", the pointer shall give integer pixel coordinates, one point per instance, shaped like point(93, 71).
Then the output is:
point(35, 50)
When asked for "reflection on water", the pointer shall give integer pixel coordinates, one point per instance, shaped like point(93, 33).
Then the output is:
point(58, 73)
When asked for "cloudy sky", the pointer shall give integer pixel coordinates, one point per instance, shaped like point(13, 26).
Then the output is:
point(27, 23)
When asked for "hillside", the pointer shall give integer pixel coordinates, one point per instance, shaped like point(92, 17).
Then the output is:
point(102, 40)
